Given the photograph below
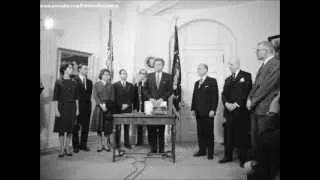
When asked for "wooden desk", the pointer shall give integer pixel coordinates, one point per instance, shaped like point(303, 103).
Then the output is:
point(142, 119)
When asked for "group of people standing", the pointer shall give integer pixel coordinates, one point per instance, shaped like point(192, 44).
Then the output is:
point(249, 109)
point(252, 113)
point(72, 94)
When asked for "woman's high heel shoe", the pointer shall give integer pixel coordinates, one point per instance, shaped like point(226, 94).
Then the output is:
point(66, 153)
point(108, 149)
point(99, 149)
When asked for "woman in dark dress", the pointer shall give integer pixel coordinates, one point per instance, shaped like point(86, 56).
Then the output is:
point(66, 95)
point(103, 93)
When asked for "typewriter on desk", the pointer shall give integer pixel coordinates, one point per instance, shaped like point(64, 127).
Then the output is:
point(155, 108)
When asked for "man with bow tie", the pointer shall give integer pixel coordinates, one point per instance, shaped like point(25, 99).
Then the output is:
point(204, 105)
point(237, 126)
point(265, 88)
point(85, 92)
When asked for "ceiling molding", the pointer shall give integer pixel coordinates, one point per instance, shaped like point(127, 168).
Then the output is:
point(156, 7)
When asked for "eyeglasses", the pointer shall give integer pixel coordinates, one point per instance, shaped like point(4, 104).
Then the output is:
point(261, 50)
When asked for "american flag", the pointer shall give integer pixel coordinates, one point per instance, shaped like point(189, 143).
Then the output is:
point(109, 62)
point(176, 72)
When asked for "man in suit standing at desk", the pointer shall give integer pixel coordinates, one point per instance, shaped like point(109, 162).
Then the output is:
point(237, 126)
point(158, 89)
point(265, 88)
point(85, 92)
point(124, 95)
point(204, 105)
point(139, 99)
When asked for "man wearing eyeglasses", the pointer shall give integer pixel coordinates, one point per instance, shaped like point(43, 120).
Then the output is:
point(265, 88)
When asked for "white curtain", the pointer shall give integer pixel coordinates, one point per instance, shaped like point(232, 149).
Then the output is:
point(48, 74)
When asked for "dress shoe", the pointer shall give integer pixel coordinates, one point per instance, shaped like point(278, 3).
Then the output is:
point(85, 149)
point(199, 154)
point(210, 157)
point(139, 144)
point(60, 155)
point(224, 160)
point(76, 150)
point(128, 146)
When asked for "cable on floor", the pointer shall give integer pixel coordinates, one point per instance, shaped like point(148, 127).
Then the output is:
point(136, 173)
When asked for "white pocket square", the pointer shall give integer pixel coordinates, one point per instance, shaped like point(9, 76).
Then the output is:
point(206, 86)
point(242, 80)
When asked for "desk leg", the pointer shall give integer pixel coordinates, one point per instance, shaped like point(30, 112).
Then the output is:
point(173, 136)
point(114, 143)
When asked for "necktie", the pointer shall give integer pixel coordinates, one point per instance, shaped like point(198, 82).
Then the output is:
point(234, 75)
point(260, 69)
point(124, 84)
point(84, 83)
point(158, 80)
point(200, 82)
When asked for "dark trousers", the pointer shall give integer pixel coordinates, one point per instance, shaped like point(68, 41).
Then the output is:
point(156, 138)
point(140, 134)
point(205, 134)
point(259, 124)
point(126, 136)
point(83, 121)
point(234, 133)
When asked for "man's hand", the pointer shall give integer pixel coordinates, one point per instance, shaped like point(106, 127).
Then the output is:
point(236, 105)
point(57, 113)
point(211, 113)
point(193, 113)
point(248, 166)
point(230, 106)
point(103, 107)
point(124, 106)
point(249, 104)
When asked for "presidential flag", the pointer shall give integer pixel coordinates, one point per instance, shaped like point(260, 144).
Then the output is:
point(176, 72)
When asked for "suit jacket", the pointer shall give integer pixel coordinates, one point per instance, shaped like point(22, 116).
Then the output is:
point(84, 95)
point(275, 104)
point(165, 87)
point(139, 88)
point(124, 95)
point(205, 98)
point(237, 91)
point(265, 87)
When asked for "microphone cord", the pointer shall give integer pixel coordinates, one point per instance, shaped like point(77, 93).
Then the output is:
point(136, 172)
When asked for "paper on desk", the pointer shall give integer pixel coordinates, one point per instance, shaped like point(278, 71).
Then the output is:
point(148, 106)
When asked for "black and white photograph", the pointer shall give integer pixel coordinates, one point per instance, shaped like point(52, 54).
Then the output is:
point(160, 89)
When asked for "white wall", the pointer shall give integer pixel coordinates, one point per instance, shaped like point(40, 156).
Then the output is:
point(250, 23)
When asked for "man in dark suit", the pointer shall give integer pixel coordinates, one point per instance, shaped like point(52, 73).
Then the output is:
point(158, 89)
point(124, 95)
point(237, 126)
point(265, 88)
point(204, 105)
point(139, 99)
point(85, 92)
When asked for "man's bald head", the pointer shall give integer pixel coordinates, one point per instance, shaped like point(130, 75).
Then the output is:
point(234, 65)
point(202, 69)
